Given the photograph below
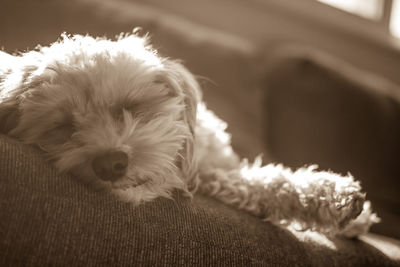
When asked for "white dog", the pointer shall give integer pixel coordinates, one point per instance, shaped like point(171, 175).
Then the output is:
point(121, 118)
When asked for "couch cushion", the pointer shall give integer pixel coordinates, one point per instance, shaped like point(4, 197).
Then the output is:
point(52, 219)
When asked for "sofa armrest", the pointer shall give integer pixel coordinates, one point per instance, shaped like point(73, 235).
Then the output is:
point(52, 219)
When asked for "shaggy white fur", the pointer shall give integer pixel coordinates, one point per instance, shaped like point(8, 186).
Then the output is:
point(125, 120)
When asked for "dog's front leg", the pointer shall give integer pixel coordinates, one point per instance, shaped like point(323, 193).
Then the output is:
point(321, 201)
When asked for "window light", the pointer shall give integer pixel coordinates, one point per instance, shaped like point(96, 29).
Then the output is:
point(370, 9)
point(395, 19)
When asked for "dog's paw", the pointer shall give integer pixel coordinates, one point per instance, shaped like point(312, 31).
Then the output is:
point(351, 209)
point(362, 223)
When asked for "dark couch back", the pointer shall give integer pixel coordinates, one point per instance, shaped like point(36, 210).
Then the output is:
point(319, 110)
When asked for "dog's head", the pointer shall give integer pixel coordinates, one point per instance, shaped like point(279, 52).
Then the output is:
point(112, 113)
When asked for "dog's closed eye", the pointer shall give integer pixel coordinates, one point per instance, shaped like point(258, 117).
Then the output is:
point(60, 133)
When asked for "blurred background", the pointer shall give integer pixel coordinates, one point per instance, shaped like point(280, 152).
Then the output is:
point(302, 82)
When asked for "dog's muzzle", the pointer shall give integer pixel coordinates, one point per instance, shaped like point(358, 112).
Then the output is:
point(110, 166)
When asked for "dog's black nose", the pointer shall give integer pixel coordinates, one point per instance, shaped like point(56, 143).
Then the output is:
point(110, 166)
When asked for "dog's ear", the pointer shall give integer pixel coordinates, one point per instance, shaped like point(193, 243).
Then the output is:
point(183, 84)
point(9, 115)
point(9, 104)
point(13, 91)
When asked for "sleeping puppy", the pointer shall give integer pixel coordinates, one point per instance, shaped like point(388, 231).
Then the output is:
point(118, 116)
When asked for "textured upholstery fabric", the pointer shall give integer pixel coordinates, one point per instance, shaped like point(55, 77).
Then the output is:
point(50, 219)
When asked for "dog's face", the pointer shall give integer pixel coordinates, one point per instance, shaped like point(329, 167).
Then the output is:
point(112, 113)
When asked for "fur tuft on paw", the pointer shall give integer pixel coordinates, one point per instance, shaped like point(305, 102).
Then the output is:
point(361, 224)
